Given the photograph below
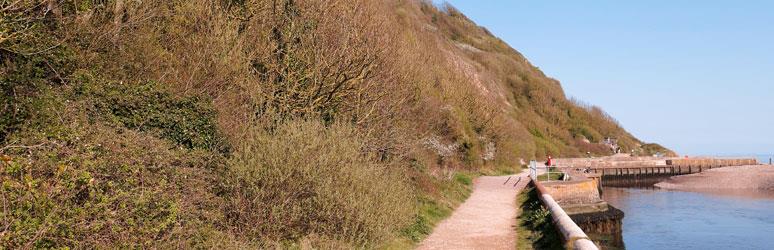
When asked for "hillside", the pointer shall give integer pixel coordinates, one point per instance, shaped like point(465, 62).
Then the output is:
point(539, 117)
point(257, 124)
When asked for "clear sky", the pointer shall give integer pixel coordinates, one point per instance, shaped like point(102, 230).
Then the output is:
point(695, 76)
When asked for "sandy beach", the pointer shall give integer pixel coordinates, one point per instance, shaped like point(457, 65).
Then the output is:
point(738, 178)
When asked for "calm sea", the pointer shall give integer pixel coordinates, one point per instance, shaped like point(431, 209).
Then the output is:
point(660, 219)
point(764, 159)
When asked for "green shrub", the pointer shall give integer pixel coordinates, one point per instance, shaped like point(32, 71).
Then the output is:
point(187, 121)
point(305, 179)
point(23, 78)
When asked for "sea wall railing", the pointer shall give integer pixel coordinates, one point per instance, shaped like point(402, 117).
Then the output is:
point(534, 172)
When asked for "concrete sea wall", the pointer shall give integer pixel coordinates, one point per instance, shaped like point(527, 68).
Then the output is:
point(634, 162)
point(580, 199)
point(573, 235)
point(573, 192)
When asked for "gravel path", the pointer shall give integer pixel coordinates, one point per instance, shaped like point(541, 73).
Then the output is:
point(485, 221)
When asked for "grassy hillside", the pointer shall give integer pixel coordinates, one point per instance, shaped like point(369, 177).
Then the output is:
point(537, 112)
point(255, 124)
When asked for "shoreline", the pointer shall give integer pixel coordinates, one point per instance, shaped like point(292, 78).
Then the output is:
point(736, 181)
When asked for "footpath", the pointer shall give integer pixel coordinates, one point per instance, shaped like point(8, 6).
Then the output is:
point(486, 220)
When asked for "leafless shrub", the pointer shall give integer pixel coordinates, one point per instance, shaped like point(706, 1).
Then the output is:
point(308, 179)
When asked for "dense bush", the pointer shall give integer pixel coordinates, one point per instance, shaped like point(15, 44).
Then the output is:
point(188, 121)
point(308, 179)
point(23, 78)
point(78, 179)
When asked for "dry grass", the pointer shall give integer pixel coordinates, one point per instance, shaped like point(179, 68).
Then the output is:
point(308, 179)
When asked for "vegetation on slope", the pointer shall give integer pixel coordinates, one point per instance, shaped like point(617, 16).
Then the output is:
point(536, 103)
point(253, 124)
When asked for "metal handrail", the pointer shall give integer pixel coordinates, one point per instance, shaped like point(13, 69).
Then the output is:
point(533, 170)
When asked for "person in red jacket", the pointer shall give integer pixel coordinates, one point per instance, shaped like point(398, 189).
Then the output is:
point(549, 162)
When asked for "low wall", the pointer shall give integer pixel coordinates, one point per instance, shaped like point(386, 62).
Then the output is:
point(570, 232)
point(610, 162)
point(634, 162)
point(711, 162)
point(573, 192)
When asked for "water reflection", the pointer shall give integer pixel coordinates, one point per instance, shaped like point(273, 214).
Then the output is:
point(661, 219)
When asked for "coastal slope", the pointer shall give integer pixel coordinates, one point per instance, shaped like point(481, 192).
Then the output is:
point(330, 124)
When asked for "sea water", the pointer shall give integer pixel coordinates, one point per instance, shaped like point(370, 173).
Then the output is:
point(661, 219)
point(764, 159)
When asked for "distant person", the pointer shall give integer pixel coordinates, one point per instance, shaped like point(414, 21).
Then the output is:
point(549, 162)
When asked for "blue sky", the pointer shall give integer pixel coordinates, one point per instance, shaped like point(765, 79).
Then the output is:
point(695, 76)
